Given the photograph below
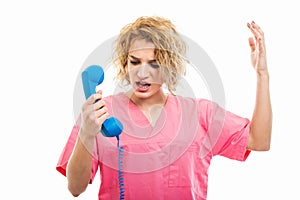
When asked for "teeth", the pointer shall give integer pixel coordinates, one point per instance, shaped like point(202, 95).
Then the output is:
point(143, 85)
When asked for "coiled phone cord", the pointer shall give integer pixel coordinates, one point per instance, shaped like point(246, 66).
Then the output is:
point(120, 169)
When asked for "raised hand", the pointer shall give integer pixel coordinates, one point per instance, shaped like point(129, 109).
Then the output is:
point(258, 49)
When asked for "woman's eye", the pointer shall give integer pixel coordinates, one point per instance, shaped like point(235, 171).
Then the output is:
point(134, 62)
point(155, 66)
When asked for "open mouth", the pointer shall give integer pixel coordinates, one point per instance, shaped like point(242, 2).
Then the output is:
point(142, 84)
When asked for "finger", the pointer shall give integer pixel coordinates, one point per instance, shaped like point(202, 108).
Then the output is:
point(103, 117)
point(257, 34)
point(251, 44)
point(99, 104)
point(256, 27)
point(101, 112)
point(260, 37)
point(88, 104)
point(94, 98)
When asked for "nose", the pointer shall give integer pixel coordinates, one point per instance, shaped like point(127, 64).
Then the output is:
point(143, 71)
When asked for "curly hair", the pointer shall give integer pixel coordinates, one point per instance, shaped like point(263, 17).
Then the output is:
point(169, 51)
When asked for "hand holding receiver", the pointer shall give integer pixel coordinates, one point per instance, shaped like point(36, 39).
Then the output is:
point(93, 76)
point(93, 113)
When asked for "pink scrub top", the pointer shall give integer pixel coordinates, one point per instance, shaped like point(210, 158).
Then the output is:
point(167, 160)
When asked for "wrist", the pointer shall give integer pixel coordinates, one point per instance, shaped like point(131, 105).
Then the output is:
point(87, 139)
point(263, 74)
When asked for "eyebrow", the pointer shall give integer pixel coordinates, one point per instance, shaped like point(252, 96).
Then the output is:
point(135, 58)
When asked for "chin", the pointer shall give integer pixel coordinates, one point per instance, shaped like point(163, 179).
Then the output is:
point(142, 95)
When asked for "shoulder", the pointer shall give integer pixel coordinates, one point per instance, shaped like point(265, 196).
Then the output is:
point(200, 106)
point(203, 108)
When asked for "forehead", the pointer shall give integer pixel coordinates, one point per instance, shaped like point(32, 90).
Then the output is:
point(141, 48)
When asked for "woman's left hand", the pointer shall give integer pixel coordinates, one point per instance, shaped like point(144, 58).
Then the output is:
point(258, 49)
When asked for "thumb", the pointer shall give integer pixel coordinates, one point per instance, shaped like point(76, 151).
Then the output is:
point(251, 44)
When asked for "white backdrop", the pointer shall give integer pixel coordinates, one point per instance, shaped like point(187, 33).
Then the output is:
point(44, 43)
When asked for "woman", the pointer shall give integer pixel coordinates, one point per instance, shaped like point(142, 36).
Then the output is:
point(168, 140)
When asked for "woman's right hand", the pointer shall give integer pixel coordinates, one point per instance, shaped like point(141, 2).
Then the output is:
point(93, 115)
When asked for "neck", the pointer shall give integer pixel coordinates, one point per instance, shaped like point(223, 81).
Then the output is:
point(159, 99)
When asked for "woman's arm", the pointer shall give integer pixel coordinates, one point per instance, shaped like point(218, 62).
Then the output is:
point(79, 167)
point(261, 123)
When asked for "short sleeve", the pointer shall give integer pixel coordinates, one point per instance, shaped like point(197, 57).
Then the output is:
point(227, 133)
point(68, 149)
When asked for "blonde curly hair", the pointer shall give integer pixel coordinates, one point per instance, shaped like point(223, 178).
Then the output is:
point(169, 51)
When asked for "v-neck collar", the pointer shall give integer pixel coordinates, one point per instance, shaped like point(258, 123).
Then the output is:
point(138, 122)
point(141, 115)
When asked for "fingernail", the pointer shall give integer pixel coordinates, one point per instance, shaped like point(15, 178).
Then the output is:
point(253, 22)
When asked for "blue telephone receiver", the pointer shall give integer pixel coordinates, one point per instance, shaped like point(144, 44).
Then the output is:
point(91, 77)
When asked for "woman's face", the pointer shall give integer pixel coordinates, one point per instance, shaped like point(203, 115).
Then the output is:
point(144, 72)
